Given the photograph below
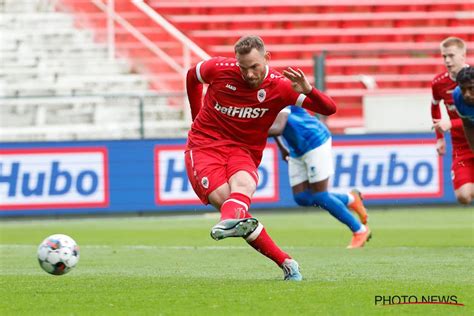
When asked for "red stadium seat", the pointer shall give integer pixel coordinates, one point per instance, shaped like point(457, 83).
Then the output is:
point(396, 41)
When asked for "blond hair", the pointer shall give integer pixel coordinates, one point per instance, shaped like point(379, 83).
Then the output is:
point(454, 41)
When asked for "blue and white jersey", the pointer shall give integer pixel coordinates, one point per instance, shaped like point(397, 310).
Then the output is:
point(464, 110)
point(303, 132)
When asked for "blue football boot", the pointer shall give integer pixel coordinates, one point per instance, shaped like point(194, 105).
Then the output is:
point(291, 270)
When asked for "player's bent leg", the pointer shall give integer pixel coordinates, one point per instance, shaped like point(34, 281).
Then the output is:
point(235, 219)
point(353, 200)
point(244, 181)
point(345, 198)
point(303, 198)
point(234, 211)
point(302, 193)
point(217, 197)
point(262, 242)
point(337, 209)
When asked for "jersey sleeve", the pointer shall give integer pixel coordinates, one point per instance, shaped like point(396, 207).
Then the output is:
point(207, 70)
point(435, 107)
point(203, 73)
point(315, 101)
point(436, 97)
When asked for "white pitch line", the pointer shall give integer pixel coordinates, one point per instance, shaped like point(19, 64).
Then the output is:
point(156, 247)
point(148, 247)
point(135, 247)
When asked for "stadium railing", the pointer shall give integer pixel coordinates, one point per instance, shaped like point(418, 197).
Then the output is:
point(93, 116)
point(140, 33)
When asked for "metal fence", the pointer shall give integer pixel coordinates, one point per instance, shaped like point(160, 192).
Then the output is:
point(94, 116)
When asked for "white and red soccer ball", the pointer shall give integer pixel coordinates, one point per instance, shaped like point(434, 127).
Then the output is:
point(58, 254)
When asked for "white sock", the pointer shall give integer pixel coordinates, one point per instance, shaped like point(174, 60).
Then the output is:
point(362, 229)
point(351, 198)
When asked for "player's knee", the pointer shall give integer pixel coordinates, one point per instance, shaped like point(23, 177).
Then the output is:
point(320, 199)
point(243, 183)
point(218, 196)
point(303, 198)
point(464, 199)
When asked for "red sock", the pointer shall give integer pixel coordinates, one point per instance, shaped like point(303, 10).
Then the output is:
point(236, 206)
point(262, 242)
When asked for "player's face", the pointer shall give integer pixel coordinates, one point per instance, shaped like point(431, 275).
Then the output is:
point(467, 91)
point(253, 67)
point(454, 59)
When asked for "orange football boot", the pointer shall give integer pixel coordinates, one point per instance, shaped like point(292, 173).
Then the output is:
point(358, 206)
point(359, 239)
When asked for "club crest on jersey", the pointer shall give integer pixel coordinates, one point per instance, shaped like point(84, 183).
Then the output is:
point(261, 94)
point(205, 182)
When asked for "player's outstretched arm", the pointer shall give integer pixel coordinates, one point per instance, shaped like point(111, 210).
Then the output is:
point(318, 101)
point(194, 91)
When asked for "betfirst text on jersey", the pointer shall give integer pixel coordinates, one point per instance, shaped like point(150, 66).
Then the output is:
point(53, 178)
point(172, 185)
point(389, 169)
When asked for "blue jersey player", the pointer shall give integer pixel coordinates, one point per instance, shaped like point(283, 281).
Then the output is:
point(310, 165)
point(463, 97)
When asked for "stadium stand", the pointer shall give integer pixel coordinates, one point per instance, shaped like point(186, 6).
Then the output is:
point(58, 83)
point(384, 46)
point(371, 47)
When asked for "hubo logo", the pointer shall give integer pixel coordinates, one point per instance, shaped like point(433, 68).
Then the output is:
point(53, 178)
point(172, 185)
point(405, 168)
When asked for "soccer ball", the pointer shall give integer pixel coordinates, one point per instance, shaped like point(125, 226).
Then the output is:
point(58, 254)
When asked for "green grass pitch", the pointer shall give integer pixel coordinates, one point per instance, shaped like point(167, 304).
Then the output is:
point(170, 266)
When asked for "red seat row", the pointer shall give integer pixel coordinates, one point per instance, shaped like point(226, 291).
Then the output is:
point(396, 42)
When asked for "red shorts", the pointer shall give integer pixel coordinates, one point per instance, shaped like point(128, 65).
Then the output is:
point(209, 168)
point(462, 168)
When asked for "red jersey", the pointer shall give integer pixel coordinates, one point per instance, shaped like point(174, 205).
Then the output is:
point(442, 88)
point(233, 113)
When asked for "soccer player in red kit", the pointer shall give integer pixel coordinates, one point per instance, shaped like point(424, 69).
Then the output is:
point(229, 133)
point(453, 51)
